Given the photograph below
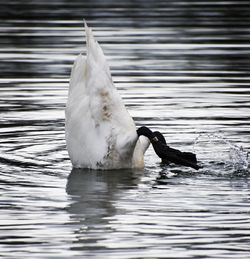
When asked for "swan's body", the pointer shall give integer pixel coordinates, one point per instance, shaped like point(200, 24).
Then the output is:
point(100, 133)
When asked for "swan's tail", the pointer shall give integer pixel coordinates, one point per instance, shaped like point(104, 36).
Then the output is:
point(96, 59)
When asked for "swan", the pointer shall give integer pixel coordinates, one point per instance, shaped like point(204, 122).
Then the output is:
point(100, 133)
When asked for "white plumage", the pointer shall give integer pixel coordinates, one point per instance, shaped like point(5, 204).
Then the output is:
point(100, 133)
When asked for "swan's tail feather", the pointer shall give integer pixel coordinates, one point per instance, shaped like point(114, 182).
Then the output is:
point(89, 36)
point(96, 60)
point(78, 74)
point(93, 48)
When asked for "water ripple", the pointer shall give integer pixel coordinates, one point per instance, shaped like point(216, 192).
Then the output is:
point(182, 68)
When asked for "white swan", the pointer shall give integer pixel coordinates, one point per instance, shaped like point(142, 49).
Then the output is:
point(100, 133)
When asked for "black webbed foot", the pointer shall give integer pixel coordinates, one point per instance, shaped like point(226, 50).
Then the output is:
point(166, 153)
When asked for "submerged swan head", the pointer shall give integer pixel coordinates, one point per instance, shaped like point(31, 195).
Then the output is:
point(100, 133)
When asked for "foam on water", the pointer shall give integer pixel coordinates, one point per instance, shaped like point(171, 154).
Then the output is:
point(219, 154)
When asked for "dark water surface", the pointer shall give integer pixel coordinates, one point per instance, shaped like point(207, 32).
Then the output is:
point(182, 67)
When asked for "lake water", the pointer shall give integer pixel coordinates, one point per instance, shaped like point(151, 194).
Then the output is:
point(182, 67)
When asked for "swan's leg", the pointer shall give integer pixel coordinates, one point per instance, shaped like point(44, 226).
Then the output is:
point(167, 153)
point(176, 156)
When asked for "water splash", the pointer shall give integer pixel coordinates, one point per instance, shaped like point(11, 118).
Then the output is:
point(219, 154)
point(238, 158)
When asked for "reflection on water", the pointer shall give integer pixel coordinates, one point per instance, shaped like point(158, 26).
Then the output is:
point(182, 67)
point(114, 215)
point(93, 194)
point(94, 191)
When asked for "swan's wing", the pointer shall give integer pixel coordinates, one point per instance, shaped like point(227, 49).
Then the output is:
point(100, 133)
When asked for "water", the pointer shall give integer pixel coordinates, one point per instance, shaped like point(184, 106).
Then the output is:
point(182, 67)
point(227, 157)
